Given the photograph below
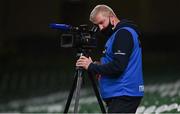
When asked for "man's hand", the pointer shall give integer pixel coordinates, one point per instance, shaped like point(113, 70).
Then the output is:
point(84, 62)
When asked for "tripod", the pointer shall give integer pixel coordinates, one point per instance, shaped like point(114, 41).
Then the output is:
point(76, 86)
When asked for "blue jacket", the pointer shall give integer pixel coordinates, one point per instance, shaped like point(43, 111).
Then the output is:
point(130, 82)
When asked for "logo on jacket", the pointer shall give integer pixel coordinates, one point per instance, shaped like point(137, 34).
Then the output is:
point(119, 53)
point(141, 88)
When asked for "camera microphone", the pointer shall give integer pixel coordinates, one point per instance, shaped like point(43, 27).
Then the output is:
point(64, 27)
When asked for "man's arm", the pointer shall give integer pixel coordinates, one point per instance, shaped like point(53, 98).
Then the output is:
point(122, 48)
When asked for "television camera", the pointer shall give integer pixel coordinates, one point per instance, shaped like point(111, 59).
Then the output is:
point(78, 37)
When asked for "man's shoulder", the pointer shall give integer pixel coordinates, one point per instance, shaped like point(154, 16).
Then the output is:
point(123, 28)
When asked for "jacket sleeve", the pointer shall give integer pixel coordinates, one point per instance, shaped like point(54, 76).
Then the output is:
point(122, 48)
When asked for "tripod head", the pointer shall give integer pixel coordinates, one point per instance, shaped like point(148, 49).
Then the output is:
point(82, 52)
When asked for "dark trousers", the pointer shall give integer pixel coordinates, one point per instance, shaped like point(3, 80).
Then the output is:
point(123, 104)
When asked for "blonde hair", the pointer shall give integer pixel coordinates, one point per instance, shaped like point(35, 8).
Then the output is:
point(104, 9)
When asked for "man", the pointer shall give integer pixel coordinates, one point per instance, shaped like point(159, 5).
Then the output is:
point(121, 81)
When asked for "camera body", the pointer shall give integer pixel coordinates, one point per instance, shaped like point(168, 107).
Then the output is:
point(77, 37)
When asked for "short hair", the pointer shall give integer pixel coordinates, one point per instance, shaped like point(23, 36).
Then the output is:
point(104, 9)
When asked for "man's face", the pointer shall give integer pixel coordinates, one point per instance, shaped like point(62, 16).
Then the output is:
point(101, 21)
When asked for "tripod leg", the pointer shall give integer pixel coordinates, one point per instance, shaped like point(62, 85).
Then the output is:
point(77, 92)
point(97, 93)
point(71, 93)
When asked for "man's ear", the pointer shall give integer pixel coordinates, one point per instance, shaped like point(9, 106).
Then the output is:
point(112, 21)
